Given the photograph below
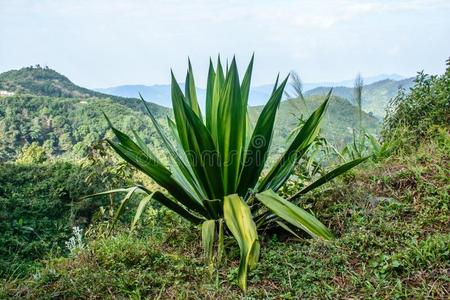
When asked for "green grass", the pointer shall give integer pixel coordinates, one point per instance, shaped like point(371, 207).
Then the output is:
point(393, 241)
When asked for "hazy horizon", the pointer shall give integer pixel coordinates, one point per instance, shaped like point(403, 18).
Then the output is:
point(101, 43)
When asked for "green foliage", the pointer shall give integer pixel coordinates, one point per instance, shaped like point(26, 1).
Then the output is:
point(410, 116)
point(39, 203)
point(368, 145)
point(63, 126)
point(365, 144)
point(220, 166)
point(392, 242)
point(32, 153)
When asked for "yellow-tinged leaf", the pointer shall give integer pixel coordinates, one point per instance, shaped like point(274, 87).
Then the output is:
point(140, 209)
point(239, 220)
point(208, 232)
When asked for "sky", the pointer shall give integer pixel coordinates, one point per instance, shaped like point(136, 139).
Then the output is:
point(103, 43)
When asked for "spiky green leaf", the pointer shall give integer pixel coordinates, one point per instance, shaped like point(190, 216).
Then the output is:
point(294, 215)
point(232, 122)
point(202, 154)
point(259, 144)
point(140, 209)
point(239, 220)
point(219, 81)
point(329, 176)
point(282, 170)
point(190, 91)
point(209, 95)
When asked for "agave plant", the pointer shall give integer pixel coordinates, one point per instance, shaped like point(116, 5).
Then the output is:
point(216, 174)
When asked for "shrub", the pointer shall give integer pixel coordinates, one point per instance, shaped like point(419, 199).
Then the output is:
point(409, 117)
point(39, 203)
point(216, 168)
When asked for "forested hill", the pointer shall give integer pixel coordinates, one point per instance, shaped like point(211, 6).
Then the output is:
point(375, 96)
point(40, 105)
point(43, 81)
point(340, 118)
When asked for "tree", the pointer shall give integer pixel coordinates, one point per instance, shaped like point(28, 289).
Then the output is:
point(33, 153)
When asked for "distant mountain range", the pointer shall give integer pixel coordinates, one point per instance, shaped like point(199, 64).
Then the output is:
point(377, 91)
point(375, 96)
point(350, 82)
point(158, 93)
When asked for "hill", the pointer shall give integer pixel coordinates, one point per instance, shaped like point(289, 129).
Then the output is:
point(44, 106)
point(350, 82)
point(47, 82)
point(49, 109)
point(158, 93)
point(375, 96)
point(337, 125)
point(43, 82)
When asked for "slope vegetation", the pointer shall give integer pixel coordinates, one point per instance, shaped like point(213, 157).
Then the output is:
point(340, 119)
point(375, 96)
point(49, 109)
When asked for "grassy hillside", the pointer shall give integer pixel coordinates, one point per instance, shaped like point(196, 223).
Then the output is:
point(375, 96)
point(391, 222)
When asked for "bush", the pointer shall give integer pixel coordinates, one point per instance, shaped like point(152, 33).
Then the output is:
point(409, 117)
point(39, 204)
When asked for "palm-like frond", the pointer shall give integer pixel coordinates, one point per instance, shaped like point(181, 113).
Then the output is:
point(216, 164)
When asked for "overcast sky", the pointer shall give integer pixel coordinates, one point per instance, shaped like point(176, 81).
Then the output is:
point(101, 43)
